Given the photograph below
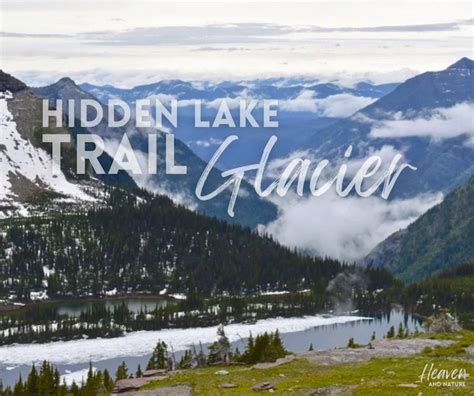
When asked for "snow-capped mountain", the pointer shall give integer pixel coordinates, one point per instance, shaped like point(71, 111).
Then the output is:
point(26, 178)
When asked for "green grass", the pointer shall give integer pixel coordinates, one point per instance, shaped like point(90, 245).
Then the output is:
point(376, 377)
point(463, 339)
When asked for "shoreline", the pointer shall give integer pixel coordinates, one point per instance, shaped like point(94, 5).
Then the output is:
point(140, 343)
point(86, 299)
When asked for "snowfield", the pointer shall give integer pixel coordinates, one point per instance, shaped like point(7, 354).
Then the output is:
point(19, 157)
point(142, 342)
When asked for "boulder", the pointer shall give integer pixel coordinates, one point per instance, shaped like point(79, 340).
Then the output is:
point(263, 387)
point(131, 384)
point(227, 385)
point(155, 373)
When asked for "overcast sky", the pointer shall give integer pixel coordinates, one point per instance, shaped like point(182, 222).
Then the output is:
point(132, 42)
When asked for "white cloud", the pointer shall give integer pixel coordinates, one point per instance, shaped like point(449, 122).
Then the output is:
point(344, 228)
point(339, 105)
point(276, 166)
point(305, 101)
point(152, 40)
point(207, 143)
point(344, 105)
point(232, 103)
point(440, 124)
point(386, 153)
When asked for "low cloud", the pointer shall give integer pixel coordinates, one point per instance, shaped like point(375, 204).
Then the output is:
point(232, 103)
point(206, 143)
point(438, 125)
point(344, 228)
point(386, 153)
point(427, 27)
point(339, 105)
point(344, 105)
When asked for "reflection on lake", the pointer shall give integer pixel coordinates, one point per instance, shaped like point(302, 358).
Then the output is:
point(134, 304)
point(322, 337)
point(75, 308)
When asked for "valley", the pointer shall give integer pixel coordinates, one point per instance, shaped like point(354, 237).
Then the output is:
point(96, 267)
point(236, 198)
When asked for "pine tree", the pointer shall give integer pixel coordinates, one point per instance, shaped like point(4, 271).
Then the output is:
point(401, 331)
point(108, 381)
point(139, 373)
point(19, 388)
point(32, 381)
point(122, 372)
point(391, 332)
point(219, 351)
point(74, 389)
point(265, 348)
point(277, 345)
point(159, 357)
point(186, 360)
point(199, 357)
point(351, 343)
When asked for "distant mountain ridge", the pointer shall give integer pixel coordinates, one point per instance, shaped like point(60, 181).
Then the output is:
point(444, 88)
point(443, 164)
point(440, 239)
point(304, 105)
point(275, 88)
point(250, 209)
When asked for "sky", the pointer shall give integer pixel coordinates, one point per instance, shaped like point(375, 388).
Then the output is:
point(126, 43)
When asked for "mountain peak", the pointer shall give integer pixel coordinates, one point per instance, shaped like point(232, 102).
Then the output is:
point(66, 81)
point(10, 83)
point(463, 63)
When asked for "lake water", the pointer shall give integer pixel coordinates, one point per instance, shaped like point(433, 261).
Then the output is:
point(134, 304)
point(297, 333)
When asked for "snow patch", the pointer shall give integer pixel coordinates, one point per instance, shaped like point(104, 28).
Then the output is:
point(178, 296)
point(38, 296)
point(141, 343)
point(76, 376)
point(19, 157)
point(112, 292)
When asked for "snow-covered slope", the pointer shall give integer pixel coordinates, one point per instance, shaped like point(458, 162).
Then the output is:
point(26, 170)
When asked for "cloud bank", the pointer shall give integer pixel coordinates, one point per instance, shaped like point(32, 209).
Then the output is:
point(344, 228)
point(339, 105)
point(440, 124)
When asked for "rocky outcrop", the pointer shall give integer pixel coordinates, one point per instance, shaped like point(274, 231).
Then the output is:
point(378, 349)
point(10, 83)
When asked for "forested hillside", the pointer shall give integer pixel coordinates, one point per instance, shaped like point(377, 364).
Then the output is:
point(451, 290)
point(146, 243)
point(440, 239)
